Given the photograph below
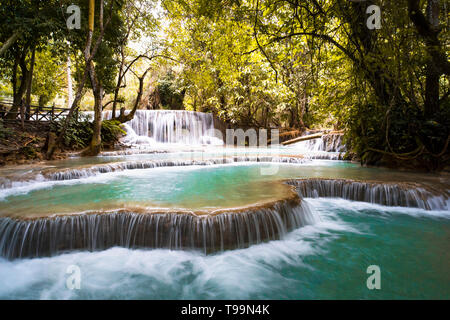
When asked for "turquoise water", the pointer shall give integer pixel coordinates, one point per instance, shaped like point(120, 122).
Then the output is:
point(324, 261)
point(196, 187)
point(327, 260)
point(189, 187)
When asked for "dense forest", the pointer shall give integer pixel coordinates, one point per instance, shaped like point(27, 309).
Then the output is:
point(378, 70)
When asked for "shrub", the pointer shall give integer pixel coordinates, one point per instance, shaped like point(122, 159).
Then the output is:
point(111, 131)
point(79, 132)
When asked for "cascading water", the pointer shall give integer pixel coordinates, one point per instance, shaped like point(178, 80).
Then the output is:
point(70, 174)
point(170, 126)
point(57, 174)
point(303, 245)
point(313, 145)
point(78, 211)
point(403, 195)
point(174, 230)
point(208, 231)
point(329, 146)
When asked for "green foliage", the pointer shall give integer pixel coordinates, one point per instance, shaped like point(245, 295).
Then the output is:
point(79, 132)
point(48, 76)
point(334, 71)
point(218, 77)
point(37, 25)
point(258, 63)
point(36, 21)
point(111, 131)
point(29, 152)
point(106, 59)
point(171, 92)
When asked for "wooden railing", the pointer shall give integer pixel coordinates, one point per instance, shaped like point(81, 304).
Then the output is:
point(33, 113)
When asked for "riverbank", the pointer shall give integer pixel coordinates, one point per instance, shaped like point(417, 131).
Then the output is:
point(22, 145)
point(28, 144)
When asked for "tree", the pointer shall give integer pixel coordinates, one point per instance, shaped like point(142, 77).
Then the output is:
point(392, 91)
point(89, 52)
point(48, 76)
point(219, 71)
point(138, 20)
point(25, 28)
point(391, 122)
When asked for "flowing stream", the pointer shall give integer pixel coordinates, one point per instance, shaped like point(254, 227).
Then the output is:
point(179, 216)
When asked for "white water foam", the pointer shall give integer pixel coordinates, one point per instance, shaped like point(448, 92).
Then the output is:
point(151, 127)
point(162, 274)
point(327, 147)
point(313, 145)
point(359, 207)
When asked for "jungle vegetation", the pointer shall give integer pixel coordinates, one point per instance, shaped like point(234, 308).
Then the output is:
point(293, 64)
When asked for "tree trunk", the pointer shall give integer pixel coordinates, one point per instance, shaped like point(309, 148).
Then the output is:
point(293, 123)
point(437, 64)
point(30, 83)
point(431, 90)
point(88, 56)
point(125, 118)
point(118, 86)
point(89, 70)
point(381, 80)
point(432, 70)
point(69, 83)
point(76, 101)
point(14, 77)
point(18, 96)
point(303, 138)
point(96, 142)
point(10, 42)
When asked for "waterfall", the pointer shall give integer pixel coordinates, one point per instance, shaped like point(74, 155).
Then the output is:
point(175, 230)
point(170, 126)
point(333, 143)
point(52, 174)
point(313, 145)
point(210, 231)
point(79, 173)
point(389, 194)
point(327, 143)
